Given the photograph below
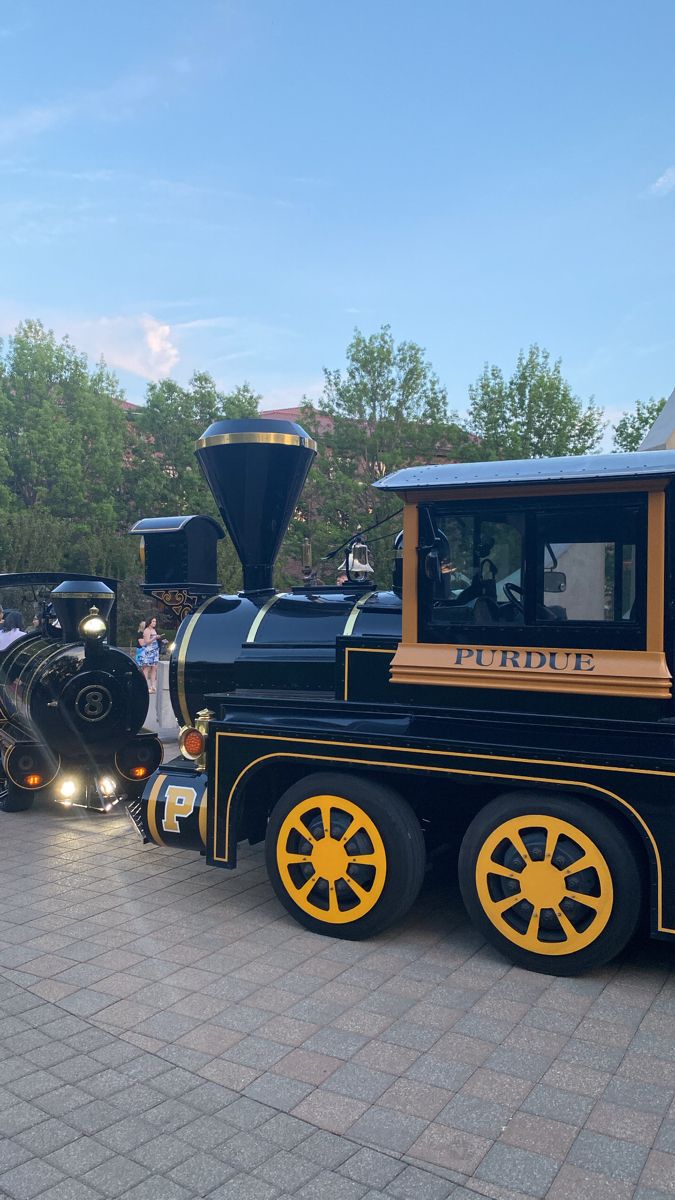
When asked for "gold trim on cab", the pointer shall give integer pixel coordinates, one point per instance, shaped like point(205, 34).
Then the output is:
point(535, 668)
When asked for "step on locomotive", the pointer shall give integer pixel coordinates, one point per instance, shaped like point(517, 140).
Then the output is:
point(509, 696)
point(72, 706)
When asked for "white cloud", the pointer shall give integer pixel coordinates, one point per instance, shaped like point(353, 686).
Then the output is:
point(664, 184)
point(137, 343)
point(140, 344)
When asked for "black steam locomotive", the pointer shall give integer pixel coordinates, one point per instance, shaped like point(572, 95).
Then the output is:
point(72, 706)
point(510, 696)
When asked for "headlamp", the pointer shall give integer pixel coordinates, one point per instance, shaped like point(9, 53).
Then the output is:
point(92, 627)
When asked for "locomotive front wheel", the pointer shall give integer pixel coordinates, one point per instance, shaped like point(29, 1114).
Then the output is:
point(550, 882)
point(13, 799)
point(345, 856)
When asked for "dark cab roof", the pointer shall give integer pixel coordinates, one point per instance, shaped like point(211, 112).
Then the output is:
point(586, 468)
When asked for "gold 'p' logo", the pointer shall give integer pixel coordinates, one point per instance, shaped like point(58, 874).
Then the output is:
point(180, 802)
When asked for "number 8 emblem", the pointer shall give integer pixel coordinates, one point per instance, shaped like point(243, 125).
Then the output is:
point(93, 703)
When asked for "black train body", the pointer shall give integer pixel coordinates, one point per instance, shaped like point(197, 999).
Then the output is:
point(72, 709)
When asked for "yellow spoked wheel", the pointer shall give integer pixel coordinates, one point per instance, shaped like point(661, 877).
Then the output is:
point(345, 856)
point(331, 859)
point(553, 883)
point(544, 884)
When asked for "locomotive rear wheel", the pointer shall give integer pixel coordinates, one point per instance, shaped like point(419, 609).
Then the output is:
point(552, 883)
point(345, 856)
point(13, 799)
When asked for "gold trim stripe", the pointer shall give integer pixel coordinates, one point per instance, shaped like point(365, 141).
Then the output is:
point(356, 612)
point(152, 809)
point(260, 617)
point(182, 654)
point(270, 439)
point(84, 595)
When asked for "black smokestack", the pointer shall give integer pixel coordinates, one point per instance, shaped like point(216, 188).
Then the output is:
point(74, 598)
point(256, 470)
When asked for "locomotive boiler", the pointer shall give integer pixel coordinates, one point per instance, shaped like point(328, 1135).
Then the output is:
point(510, 699)
point(72, 709)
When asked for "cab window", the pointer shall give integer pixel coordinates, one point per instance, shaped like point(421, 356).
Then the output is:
point(564, 574)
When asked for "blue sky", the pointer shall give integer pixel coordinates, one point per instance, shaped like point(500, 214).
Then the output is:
point(233, 186)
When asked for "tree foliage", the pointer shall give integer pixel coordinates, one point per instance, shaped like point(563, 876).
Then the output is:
point(386, 410)
point(534, 413)
point(632, 428)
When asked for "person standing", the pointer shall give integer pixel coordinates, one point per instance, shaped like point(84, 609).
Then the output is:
point(12, 628)
point(139, 643)
point(150, 654)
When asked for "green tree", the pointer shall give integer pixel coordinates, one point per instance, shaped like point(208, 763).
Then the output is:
point(631, 429)
point(386, 410)
point(164, 477)
point(534, 414)
point(61, 454)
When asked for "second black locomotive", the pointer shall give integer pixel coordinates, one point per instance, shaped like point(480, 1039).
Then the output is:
point(72, 709)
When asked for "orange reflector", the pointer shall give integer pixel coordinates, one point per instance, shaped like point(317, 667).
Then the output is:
point(139, 772)
point(33, 780)
point(193, 742)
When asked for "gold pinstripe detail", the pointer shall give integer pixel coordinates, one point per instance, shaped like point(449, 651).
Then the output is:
point(355, 613)
point(152, 810)
point(447, 771)
point(259, 618)
point(182, 654)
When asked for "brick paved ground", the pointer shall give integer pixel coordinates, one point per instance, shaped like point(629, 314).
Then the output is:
point(168, 1032)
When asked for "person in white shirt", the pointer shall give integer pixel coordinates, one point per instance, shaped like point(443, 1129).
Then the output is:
point(12, 628)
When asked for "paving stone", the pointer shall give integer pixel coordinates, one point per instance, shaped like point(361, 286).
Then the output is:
point(331, 1186)
point(277, 1091)
point(329, 1110)
point(362, 1083)
point(558, 1104)
point(116, 1175)
point(417, 1099)
point(70, 1189)
point(631, 1124)
point(421, 1185)
point(244, 1187)
point(307, 1066)
point(245, 1151)
point(29, 1179)
point(201, 1173)
point(127, 1134)
point(158, 1188)
point(326, 1149)
point(518, 1169)
point(387, 1129)
point(211, 1097)
point(475, 1115)
point(659, 1172)
point(371, 1168)
point(96, 1115)
point(454, 1149)
point(438, 1073)
point(539, 1134)
point(575, 1183)
point(288, 1171)
point(80, 1156)
point(12, 1154)
point(612, 1156)
point(47, 1136)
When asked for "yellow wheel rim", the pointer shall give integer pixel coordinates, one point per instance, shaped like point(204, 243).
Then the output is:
point(544, 884)
point(331, 859)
